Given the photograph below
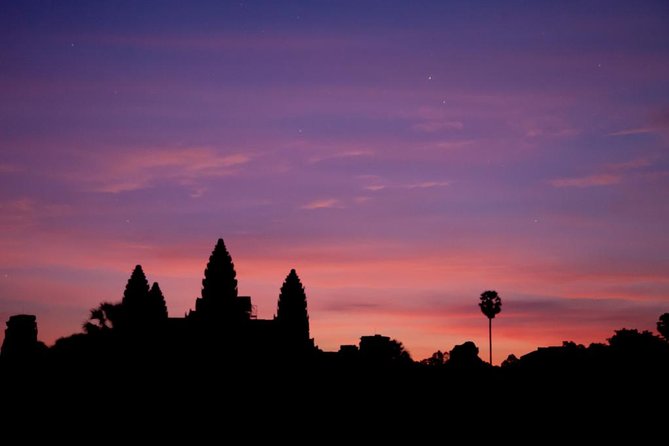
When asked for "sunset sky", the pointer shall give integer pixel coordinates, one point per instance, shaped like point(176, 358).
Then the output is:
point(402, 156)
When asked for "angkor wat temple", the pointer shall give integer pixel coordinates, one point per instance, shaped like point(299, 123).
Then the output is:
point(221, 311)
point(222, 323)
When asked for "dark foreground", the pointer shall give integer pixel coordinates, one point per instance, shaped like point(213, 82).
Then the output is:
point(557, 391)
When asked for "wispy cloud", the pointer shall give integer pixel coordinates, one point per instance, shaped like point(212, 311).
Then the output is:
point(16, 212)
point(429, 119)
point(420, 185)
point(8, 168)
point(657, 123)
point(552, 133)
point(629, 165)
point(612, 174)
point(454, 145)
point(133, 171)
point(437, 126)
point(23, 212)
point(587, 181)
point(428, 184)
point(351, 306)
point(635, 131)
point(18, 205)
point(340, 155)
point(323, 204)
point(362, 199)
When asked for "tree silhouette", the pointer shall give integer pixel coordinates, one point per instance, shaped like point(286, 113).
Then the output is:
point(491, 305)
point(104, 318)
point(465, 356)
point(510, 361)
point(292, 312)
point(438, 359)
point(635, 340)
point(381, 350)
point(663, 326)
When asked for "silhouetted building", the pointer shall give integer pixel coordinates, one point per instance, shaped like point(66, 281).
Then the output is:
point(374, 345)
point(141, 307)
point(222, 316)
point(292, 316)
point(223, 323)
point(348, 350)
point(21, 337)
point(156, 303)
point(220, 302)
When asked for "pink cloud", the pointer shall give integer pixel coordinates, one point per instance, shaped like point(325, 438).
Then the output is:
point(613, 174)
point(145, 167)
point(437, 126)
point(635, 131)
point(629, 165)
point(606, 179)
point(455, 145)
point(343, 154)
point(325, 203)
point(428, 184)
point(375, 187)
point(419, 185)
point(658, 122)
point(21, 214)
point(9, 168)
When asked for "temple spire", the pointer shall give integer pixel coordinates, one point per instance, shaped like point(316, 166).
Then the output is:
point(292, 315)
point(219, 289)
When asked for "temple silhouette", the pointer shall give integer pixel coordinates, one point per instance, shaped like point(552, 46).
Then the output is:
point(135, 344)
point(21, 338)
point(226, 372)
point(222, 325)
point(222, 319)
point(221, 314)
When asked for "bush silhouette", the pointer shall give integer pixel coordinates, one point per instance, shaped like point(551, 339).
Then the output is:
point(437, 359)
point(465, 356)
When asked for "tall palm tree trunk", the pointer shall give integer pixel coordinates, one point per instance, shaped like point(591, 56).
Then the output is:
point(490, 337)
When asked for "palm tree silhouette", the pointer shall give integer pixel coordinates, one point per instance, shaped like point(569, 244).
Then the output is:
point(104, 318)
point(491, 305)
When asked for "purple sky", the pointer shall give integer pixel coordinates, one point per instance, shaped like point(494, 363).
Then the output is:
point(402, 156)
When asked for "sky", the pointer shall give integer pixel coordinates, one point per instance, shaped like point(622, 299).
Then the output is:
point(402, 156)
